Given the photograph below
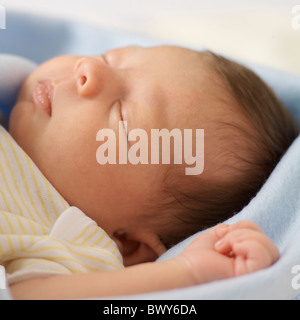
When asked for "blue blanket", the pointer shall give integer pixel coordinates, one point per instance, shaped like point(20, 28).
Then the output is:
point(276, 208)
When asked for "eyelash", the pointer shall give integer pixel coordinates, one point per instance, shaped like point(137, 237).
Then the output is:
point(121, 117)
point(120, 110)
point(105, 58)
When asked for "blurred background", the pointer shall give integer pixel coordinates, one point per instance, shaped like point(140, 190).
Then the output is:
point(261, 31)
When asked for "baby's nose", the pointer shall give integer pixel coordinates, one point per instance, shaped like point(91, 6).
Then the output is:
point(90, 74)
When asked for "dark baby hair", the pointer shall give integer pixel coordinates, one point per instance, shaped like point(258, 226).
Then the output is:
point(199, 202)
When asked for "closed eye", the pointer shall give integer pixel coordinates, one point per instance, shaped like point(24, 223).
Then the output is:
point(122, 117)
point(120, 109)
point(104, 59)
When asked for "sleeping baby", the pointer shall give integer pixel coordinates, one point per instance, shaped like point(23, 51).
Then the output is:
point(71, 227)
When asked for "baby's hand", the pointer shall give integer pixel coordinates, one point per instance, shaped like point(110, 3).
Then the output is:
point(227, 251)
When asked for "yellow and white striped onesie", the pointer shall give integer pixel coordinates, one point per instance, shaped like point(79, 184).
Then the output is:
point(40, 234)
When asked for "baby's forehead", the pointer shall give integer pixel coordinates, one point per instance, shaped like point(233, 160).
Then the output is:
point(202, 101)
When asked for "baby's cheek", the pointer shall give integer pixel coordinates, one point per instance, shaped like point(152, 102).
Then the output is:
point(20, 122)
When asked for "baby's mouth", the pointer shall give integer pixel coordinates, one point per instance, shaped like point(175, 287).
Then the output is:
point(42, 96)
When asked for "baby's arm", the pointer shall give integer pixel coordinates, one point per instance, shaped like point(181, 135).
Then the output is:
point(223, 252)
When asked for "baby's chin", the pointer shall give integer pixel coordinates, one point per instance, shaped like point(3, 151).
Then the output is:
point(15, 120)
point(19, 122)
point(22, 109)
point(25, 92)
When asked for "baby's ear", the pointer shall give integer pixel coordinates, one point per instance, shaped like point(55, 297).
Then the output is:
point(138, 247)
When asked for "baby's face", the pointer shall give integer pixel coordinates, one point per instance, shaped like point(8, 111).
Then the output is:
point(150, 88)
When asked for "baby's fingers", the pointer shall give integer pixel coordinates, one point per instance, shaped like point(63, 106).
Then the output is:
point(245, 224)
point(250, 250)
point(222, 229)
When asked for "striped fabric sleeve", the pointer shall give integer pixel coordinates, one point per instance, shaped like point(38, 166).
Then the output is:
point(24, 190)
point(40, 234)
point(75, 244)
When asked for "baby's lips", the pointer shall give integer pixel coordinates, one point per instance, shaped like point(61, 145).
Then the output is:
point(42, 96)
